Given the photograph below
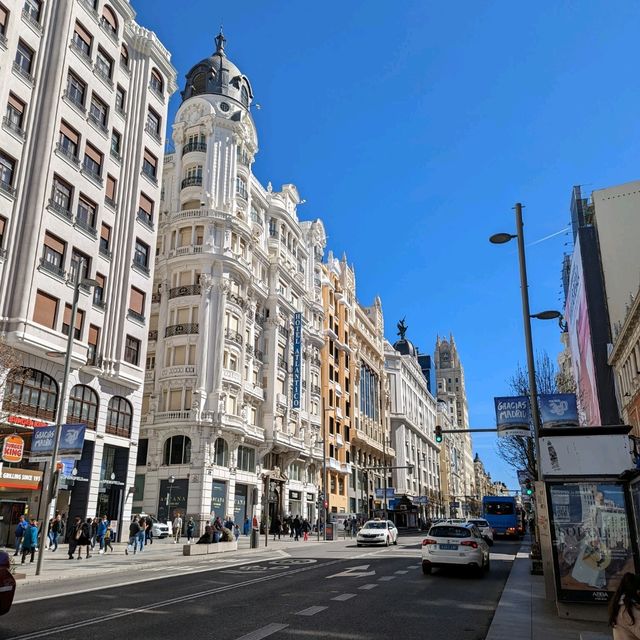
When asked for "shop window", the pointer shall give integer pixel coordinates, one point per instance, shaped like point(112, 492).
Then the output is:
point(221, 453)
point(31, 393)
point(83, 406)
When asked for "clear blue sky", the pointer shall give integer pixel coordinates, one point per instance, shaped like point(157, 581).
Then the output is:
point(412, 128)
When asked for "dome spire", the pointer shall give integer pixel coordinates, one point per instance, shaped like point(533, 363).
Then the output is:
point(220, 42)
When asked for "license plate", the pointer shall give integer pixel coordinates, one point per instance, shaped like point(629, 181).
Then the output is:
point(449, 547)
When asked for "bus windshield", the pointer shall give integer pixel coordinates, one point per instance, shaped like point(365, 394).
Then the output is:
point(499, 508)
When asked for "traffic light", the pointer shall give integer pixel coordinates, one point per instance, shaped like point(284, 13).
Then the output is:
point(528, 489)
point(438, 433)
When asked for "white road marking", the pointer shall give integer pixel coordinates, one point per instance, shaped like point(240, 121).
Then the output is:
point(258, 634)
point(354, 572)
point(401, 572)
point(311, 611)
point(386, 578)
point(367, 587)
point(345, 596)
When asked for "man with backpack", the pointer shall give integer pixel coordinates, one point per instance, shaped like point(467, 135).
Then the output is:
point(21, 527)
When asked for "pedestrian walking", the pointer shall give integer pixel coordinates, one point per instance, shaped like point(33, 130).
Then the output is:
point(94, 530)
point(624, 609)
point(236, 532)
point(354, 527)
point(87, 537)
point(191, 529)
point(134, 529)
point(148, 533)
point(296, 524)
point(101, 529)
point(30, 540)
point(305, 528)
point(246, 527)
point(55, 531)
point(277, 528)
point(19, 533)
point(75, 532)
point(177, 528)
point(141, 537)
point(108, 535)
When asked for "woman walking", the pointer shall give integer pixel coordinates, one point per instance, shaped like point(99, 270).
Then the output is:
point(624, 609)
point(30, 540)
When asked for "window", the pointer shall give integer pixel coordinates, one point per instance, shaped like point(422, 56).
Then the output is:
point(156, 83)
point(98, 290)
point(32, 9)
point(24, 59)
point(221, 453)
point(246, 458)
point(94, 337)
point(150, 165)
point(31, 393)
point(86, 216)
point(241, 187)
point(76, 90)
point(82, 261)
point(110, 191)
point(82, 40)
point(69, 141)
point(15, 113)
point(66, 322)
point(121, 96)
point(136, 304)
point(83, 406)
point(53, 254)
point(92, 161)
point(119, 416)
point(124, 56)
point(109, 21)
point(199, 84)
point(116, 142)
point(46, 310)
point(7, 171)
point(177, 450)
point(98, 112)
point(153, 123)
point(3, 226)
point(104, 64)
point(132, 350)
point(145, 211)
point(62, 195)
point(143, 450)
point(141, 255)
point(105, 239)
point(4, 20)
point(244, 96)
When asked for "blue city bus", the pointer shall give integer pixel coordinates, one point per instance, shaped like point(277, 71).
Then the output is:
point(503, 515)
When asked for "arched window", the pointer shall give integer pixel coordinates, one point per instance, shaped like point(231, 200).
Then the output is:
point(119, 417)
point(31, 393)
point(124, 56)
point(109, 20)
point(244, 96)
point(177, 450)
point(156, 83)
point(246, 458)
point(83, 406)
point(199, 83)
point(221, 453)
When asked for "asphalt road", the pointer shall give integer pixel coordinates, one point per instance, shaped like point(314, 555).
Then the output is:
point(333, 592)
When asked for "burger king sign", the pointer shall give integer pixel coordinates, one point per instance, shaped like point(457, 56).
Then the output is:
point(12, 449)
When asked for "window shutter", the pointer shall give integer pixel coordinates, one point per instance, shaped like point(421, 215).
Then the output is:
point(17, 104)
point(46, 310)
point(54, 243)
point(150, 158)
point(146, 204)
point(93, 153)
point(72, 134)
point(136, 301)
point(111, 187)
point(94, 334)
point(83, 33)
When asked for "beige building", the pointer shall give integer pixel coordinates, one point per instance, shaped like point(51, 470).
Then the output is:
point(85, 90)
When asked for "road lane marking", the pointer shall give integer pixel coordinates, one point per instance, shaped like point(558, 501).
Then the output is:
point(345, 596)
point(401, 572)
point(354, 572)
point(258, 634)
point(386, 578)
point(364, 587)
point(311, 611)
point(44, 633)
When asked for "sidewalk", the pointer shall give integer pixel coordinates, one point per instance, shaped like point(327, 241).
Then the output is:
point(162, 553)
point(525, 614)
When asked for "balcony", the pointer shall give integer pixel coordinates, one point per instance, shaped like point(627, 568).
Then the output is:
point(51, 268)
point(283, 331)
point(315, 389)
point(92, 174)
point(144, 218)
point(150, 174)
point(9, 124)
point(258, 355)
point(108, 29)
point(77, 48)
point(134, 315)
point(68, 154)
point(153, 335)
point(156, 298)
point(172, 416)
point(339, 441)
point(179, 292)
point(98, 122)
point(194, 146)
point(156, 92)
point(139, 265)
point(237, 299)
point(338, 389)
point(234, 336)
point(231, 376)
point(154, 133)
point(181, 329)
point(191, 181)
point(282, 362)
point(30, 19)
point(338, 413)
point(87, 4)
point(82, 223)
point(115, 155)
point(104, 74)
point(104, 252)
point(23, 73)
point(179, 371)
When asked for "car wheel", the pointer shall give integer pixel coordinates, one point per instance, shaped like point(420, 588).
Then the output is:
point(426, 568)
point(395, 541)
point(386, 544)
point(487, 566)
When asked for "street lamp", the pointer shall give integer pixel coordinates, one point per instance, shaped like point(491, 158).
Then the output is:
point(170, 480)
point(51, 493)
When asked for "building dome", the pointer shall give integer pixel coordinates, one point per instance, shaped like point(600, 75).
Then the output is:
point(405, 347)
point(217, 75)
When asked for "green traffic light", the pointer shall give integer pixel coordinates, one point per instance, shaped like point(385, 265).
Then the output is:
point(438, 438)
point(529, 492)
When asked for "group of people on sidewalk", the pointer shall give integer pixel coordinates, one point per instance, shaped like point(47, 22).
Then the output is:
point(294, 526)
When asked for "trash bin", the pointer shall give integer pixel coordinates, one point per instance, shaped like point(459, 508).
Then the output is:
point(255, 539)
point(329, 529)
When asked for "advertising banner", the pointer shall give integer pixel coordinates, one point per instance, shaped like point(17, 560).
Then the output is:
point(297, 359)
point(513, 416)
point(20, 479)
point(558, 409)
point(391, 492)
point(12, 449)
point(591, 539)
point(71, 442)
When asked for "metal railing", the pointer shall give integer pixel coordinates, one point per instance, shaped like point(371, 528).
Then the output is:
point(194, 146)
point(191, 181)
point(234, 336)
point(185, 290)
point(181, 329)
point(12, 126)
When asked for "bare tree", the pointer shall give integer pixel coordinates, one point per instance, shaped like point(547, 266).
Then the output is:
point(519, 451)
point(11, 370)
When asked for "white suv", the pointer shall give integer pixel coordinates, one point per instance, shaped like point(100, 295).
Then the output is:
point(159, 529)
point(455, 545)
point(485, 528)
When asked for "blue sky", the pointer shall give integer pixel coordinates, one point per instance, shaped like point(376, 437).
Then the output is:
point(411, 129)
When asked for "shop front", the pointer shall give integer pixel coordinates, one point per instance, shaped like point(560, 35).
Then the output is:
point(19, 491)
point(172, 499)
point(295, 503)
point(240, 504)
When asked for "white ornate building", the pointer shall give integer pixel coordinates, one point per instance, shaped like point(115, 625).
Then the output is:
point(84, 91)
point(234, 265)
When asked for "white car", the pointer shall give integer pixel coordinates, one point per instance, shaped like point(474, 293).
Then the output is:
point(377, 532)
point(455, 545)
point(485, 528)
point(159, 529)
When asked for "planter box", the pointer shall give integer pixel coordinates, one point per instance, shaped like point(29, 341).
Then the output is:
point(206, 549)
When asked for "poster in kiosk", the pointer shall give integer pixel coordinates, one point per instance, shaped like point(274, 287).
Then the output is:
point(590, 510)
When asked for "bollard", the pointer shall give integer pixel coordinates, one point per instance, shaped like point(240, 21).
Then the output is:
point(255, 538)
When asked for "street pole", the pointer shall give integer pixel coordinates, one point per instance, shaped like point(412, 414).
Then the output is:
point(526, 313)
point(51, 491)
point(386, 478)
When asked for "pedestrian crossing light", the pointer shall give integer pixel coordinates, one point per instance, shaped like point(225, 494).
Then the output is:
point(438, 433)
point(528, 489)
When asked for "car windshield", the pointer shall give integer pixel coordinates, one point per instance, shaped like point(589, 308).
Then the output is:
point(450, 532)
point(479, 523)
point(375, 525)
